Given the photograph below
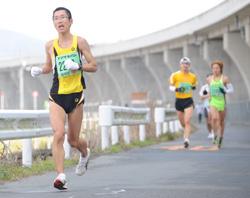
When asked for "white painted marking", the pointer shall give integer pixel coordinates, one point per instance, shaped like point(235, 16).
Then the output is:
point(113, 192)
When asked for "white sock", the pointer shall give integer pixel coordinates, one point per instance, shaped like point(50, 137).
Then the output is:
point(62, 176)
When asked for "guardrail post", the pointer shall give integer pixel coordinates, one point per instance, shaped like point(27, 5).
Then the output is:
point(105, 121)
point(114, 135)
point(159, 115)
point(176, 124)
point(49, 142)
point(179, 126)
point(126, 134)
point(165, 127)
point(66, 147)
point(105, 137)
point(27, 152)
point(142, 132)
point(171, 126)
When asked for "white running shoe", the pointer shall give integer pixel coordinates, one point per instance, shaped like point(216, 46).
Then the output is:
point(60, 182)
point(82, 165)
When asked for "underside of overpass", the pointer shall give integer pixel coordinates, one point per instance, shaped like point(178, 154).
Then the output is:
point(144, 64)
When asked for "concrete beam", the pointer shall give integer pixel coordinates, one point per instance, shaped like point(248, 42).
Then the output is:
point(128, 75)
point(155, 65)
point(239, 51)
point(115, 80)
point(247, 34)
point(121, 78)
point(7, 86)
point(109, 90)
point(172, 58)
point(93, 91)
point(144, 80)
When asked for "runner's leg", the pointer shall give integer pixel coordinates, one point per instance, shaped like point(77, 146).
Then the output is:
point(74, 124)
point(187, 119)
point(57, 119)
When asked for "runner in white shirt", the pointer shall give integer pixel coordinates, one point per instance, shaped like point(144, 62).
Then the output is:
point(205, 98)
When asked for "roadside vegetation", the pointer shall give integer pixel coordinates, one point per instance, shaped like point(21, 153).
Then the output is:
point(11, 169)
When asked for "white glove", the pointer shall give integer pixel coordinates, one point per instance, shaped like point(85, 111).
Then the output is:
point(69, 64)
point(35, 71)
point(229, 88)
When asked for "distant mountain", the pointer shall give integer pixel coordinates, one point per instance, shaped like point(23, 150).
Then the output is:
point(13, 44)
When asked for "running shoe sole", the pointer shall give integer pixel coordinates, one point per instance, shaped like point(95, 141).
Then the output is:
point(186, 144)
point(60, 185)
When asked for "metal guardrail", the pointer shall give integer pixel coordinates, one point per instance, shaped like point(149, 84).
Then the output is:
point(27, 124)
point(20, 124)
point(24, 133)
point(113, 116)
point(24, 124)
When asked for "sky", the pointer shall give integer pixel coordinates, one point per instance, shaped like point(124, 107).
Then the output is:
point(100, 21)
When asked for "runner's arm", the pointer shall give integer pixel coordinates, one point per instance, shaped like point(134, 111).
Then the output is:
point(90, 64)
point(204, 89)
point(171, 83)
point(228, 87)
point(47, 67)
point(194, 83)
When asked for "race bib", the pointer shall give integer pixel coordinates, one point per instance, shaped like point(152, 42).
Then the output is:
point(187, 87)
point(215, 91)
point(60, 66)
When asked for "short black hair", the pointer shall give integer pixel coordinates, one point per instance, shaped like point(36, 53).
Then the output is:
point(65, 9)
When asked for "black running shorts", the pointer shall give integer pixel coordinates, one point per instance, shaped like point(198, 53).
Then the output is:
point(182, 104)
point(67, 101)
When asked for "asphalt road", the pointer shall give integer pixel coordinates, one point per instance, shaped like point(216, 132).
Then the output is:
point(155, 172)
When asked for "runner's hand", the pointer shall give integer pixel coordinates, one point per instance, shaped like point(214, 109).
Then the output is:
point(205, 92)
point(222, 90)
point(180, 89)
point(71, 65)
point(35, 71)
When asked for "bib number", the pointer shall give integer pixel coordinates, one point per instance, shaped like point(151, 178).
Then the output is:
point(61, 70)
point(215, 91)
point(186, 86)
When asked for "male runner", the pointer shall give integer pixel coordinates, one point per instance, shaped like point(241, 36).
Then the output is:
point(183, 82)
point(65, 58)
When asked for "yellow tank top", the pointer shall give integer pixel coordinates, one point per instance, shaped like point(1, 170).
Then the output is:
point(66, 81)
point(186, 80)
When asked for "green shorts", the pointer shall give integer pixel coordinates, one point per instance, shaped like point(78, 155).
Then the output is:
point(217, 103)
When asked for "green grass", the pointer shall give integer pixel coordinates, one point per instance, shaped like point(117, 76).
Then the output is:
point(10, 172)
